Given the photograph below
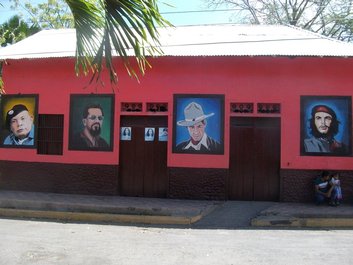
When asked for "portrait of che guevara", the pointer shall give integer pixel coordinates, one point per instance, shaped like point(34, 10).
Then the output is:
point(326, 125)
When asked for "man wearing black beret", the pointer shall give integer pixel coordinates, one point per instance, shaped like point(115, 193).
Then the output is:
point(20, 124)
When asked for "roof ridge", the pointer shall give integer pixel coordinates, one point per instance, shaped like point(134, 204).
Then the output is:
point(199, 40)
point(318, 35)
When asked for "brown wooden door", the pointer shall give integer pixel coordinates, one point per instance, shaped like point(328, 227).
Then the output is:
point(254, 159)
point(143, 164)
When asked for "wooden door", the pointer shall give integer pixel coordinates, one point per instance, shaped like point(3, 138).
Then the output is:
point(254, 159)
point(143, 164)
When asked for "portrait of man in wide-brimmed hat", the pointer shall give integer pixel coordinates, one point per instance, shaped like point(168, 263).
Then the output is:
point(195, 122)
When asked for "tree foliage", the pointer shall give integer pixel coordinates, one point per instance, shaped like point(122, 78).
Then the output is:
point(51, 14)
point(332, 18)
point(14, 30)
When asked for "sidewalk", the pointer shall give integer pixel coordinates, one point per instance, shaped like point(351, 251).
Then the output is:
point(305, 215)
point(84, 208)
point(193, 213)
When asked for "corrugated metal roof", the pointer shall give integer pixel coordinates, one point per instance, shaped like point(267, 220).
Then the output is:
point(204, 40)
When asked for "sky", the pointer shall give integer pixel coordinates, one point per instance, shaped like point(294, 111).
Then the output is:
point(181, 13)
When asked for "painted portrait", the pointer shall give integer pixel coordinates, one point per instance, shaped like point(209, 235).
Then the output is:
point(198, 124)
point(19, 119)
point(91, 122)
point(326, 126)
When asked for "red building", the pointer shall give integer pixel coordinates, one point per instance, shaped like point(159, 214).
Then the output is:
point(256, 87)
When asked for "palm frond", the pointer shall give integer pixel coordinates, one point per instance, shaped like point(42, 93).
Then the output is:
point(106, 27)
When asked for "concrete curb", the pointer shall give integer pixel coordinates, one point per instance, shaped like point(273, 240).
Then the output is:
point(110, 209)
point(310, 222)
point(100, 217)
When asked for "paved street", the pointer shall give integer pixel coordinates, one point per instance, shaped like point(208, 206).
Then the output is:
point(38, 242)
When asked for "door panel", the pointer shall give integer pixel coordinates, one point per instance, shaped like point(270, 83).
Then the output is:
point(267, 160)
point(241, 186)
point(143, 164)
point(131, 171)
point(254, 159)
point(155, 178)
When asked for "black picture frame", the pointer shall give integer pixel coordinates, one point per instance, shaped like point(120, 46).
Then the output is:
point(15, 104)
point(188, 110)
point(78, 103)
point(337, 140)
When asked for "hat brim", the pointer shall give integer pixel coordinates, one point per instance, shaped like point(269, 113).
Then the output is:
point(193, 121)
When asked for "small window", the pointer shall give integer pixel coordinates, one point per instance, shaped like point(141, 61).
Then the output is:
point(271, 108)
point(241, 107)
point(131, 107)
point(50, 134)
point(157, 107)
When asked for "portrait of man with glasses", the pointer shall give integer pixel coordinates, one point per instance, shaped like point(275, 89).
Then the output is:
point(90, 136)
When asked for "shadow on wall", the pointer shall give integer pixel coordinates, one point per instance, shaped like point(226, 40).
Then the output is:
point(297, 185)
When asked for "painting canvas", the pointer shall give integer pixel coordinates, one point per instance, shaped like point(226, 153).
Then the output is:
point(198, 123)
point(91, 122)
point(19, 120)
point(326, 126)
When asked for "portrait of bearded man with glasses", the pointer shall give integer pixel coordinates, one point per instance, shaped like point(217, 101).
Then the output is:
point(90, 137)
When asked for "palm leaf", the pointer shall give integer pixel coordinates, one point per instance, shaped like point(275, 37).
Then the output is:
point(88, 24)
point(108, 26)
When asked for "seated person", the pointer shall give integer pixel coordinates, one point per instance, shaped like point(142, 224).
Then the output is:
point(336, 191)
point(323, 190)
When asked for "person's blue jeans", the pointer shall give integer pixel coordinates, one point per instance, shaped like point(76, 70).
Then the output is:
point(319, 198)
point(336, 194)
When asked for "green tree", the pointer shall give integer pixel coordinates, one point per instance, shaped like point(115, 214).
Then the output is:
point(332, 18)
point(51, 14)
point(14, 30)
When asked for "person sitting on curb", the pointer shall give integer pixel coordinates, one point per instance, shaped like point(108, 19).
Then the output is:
point(323, 191)
point(337, 191)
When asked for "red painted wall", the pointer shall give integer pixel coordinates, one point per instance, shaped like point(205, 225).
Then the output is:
point(240, 79)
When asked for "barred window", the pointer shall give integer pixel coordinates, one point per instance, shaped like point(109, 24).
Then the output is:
point(157, 107)
point(244, 107)
point(50, 134)
point(269, 108)
point(131, 106)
